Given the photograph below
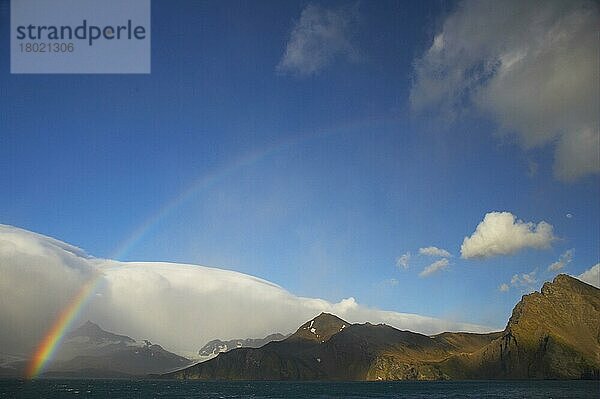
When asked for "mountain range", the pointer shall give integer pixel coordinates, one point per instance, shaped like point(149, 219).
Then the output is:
point(552, 334)
point(216, 346)
point(90, 351)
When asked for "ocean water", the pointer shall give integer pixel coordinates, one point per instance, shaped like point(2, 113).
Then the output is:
point(60, 388)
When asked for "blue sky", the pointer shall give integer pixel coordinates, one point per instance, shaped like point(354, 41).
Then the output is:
point(316, 167)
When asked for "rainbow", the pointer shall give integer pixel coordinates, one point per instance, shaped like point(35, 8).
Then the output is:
point(197, 186)
point(54, 336)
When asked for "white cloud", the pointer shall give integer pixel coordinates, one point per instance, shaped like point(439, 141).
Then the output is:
point(403, 261)
point(434, 267)
point(562, 261)
point(576, 154)
point(38, 275)
point(591, 276)
point(321, 36)
point(530, 65)
point(501, 233)
point(435, 251)
point(179, 306)
point(526, 280)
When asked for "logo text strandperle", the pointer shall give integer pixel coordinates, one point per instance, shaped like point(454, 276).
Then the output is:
point(81, 32)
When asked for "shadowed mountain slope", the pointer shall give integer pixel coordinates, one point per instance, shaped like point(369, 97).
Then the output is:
point(91, 351)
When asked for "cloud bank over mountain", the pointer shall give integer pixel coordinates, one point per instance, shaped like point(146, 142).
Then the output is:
point(179, 306)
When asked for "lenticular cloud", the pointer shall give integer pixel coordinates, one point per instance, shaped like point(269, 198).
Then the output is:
point(179, 306)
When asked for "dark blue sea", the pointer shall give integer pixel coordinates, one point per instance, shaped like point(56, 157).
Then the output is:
point(57, 388)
